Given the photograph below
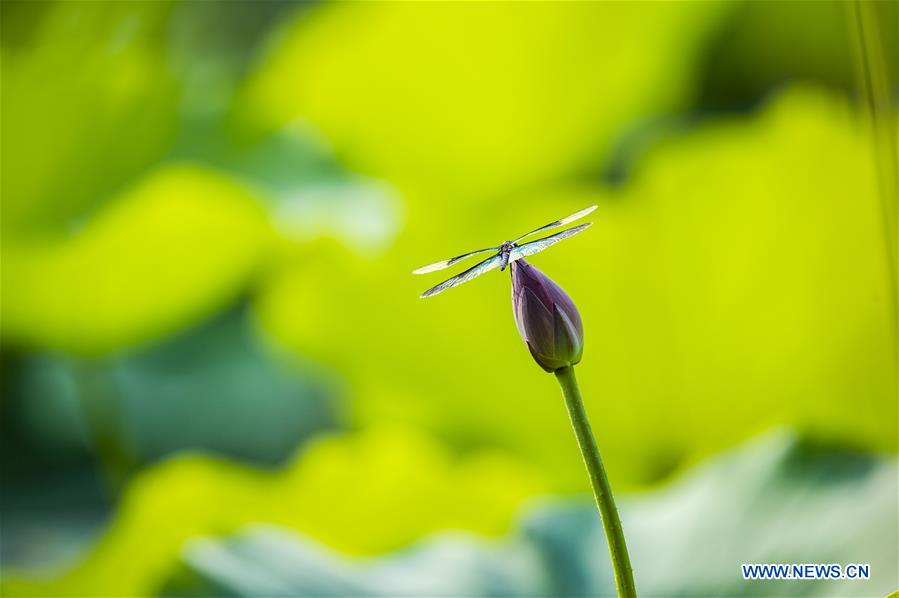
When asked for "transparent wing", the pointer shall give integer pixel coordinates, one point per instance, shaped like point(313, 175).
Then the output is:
point(451, 261)
point(491, 263)
point(541, 244)
point(571, 218)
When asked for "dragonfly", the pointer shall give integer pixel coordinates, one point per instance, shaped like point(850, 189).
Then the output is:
point(506, 253)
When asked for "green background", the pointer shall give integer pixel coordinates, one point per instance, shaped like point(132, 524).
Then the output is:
point(210, 213)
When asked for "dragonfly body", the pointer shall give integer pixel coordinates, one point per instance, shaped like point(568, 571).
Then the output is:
point(506, 253)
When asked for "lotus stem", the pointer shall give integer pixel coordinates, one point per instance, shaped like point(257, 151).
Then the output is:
point(602, 491)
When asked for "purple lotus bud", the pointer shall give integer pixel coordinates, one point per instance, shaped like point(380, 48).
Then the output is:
point(547, 319)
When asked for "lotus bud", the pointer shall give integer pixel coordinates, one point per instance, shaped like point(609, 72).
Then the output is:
point(547, 319)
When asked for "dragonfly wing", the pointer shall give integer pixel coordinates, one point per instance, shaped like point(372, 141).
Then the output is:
point(491, 263)
point(562, 222)
point(451, 261)
point(541, 244)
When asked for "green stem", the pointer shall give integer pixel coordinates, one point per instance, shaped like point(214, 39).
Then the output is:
point(875, 82)
point(621, 562)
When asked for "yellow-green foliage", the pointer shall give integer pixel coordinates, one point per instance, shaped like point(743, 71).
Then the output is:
point(171, 249)
point(88, 102)
point(364, 494)
point(479, 98)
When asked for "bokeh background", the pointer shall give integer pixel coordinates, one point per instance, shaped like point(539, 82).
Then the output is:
point(217, 375)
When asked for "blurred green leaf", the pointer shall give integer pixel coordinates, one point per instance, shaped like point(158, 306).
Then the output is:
point(268, 561)
point(197, 390)
point(775, 500)
point(88, 103)
point(480, 98)
point(306, 190)
point(364, 494)
point(176, 246)
point(75, 429)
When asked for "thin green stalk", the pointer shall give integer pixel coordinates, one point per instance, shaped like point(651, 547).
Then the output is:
point(874, 82)
point(602, 491)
